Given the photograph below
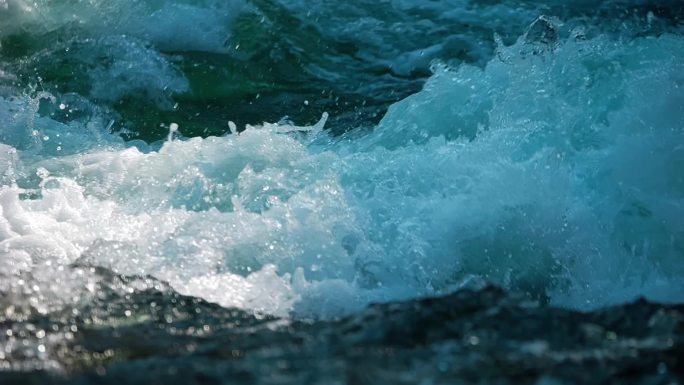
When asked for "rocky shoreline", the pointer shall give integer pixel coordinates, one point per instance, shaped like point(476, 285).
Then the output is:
point(152, 335)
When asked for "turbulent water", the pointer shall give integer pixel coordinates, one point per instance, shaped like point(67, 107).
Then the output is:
point(553, 165)
point(415, 148)
point(211, 191)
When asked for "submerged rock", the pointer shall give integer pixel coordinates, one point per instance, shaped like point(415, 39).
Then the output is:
point(151, 335)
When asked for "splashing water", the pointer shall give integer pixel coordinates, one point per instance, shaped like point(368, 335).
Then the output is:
point(555, 170)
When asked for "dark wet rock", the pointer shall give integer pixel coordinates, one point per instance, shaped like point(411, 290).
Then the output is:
point(485, 336)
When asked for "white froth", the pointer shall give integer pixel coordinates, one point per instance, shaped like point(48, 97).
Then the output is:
point(555, 172)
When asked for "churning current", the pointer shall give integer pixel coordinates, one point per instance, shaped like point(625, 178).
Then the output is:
point(541, 153)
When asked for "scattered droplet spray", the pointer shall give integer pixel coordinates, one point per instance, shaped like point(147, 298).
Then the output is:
point(173, 128)
point(232, 127)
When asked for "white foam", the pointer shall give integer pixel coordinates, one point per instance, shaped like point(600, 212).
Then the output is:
point(553, 172)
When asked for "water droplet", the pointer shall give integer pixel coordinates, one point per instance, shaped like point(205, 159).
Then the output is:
point(42, 173)
point(662, 368)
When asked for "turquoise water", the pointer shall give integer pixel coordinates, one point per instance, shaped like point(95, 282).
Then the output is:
point(414, 148)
